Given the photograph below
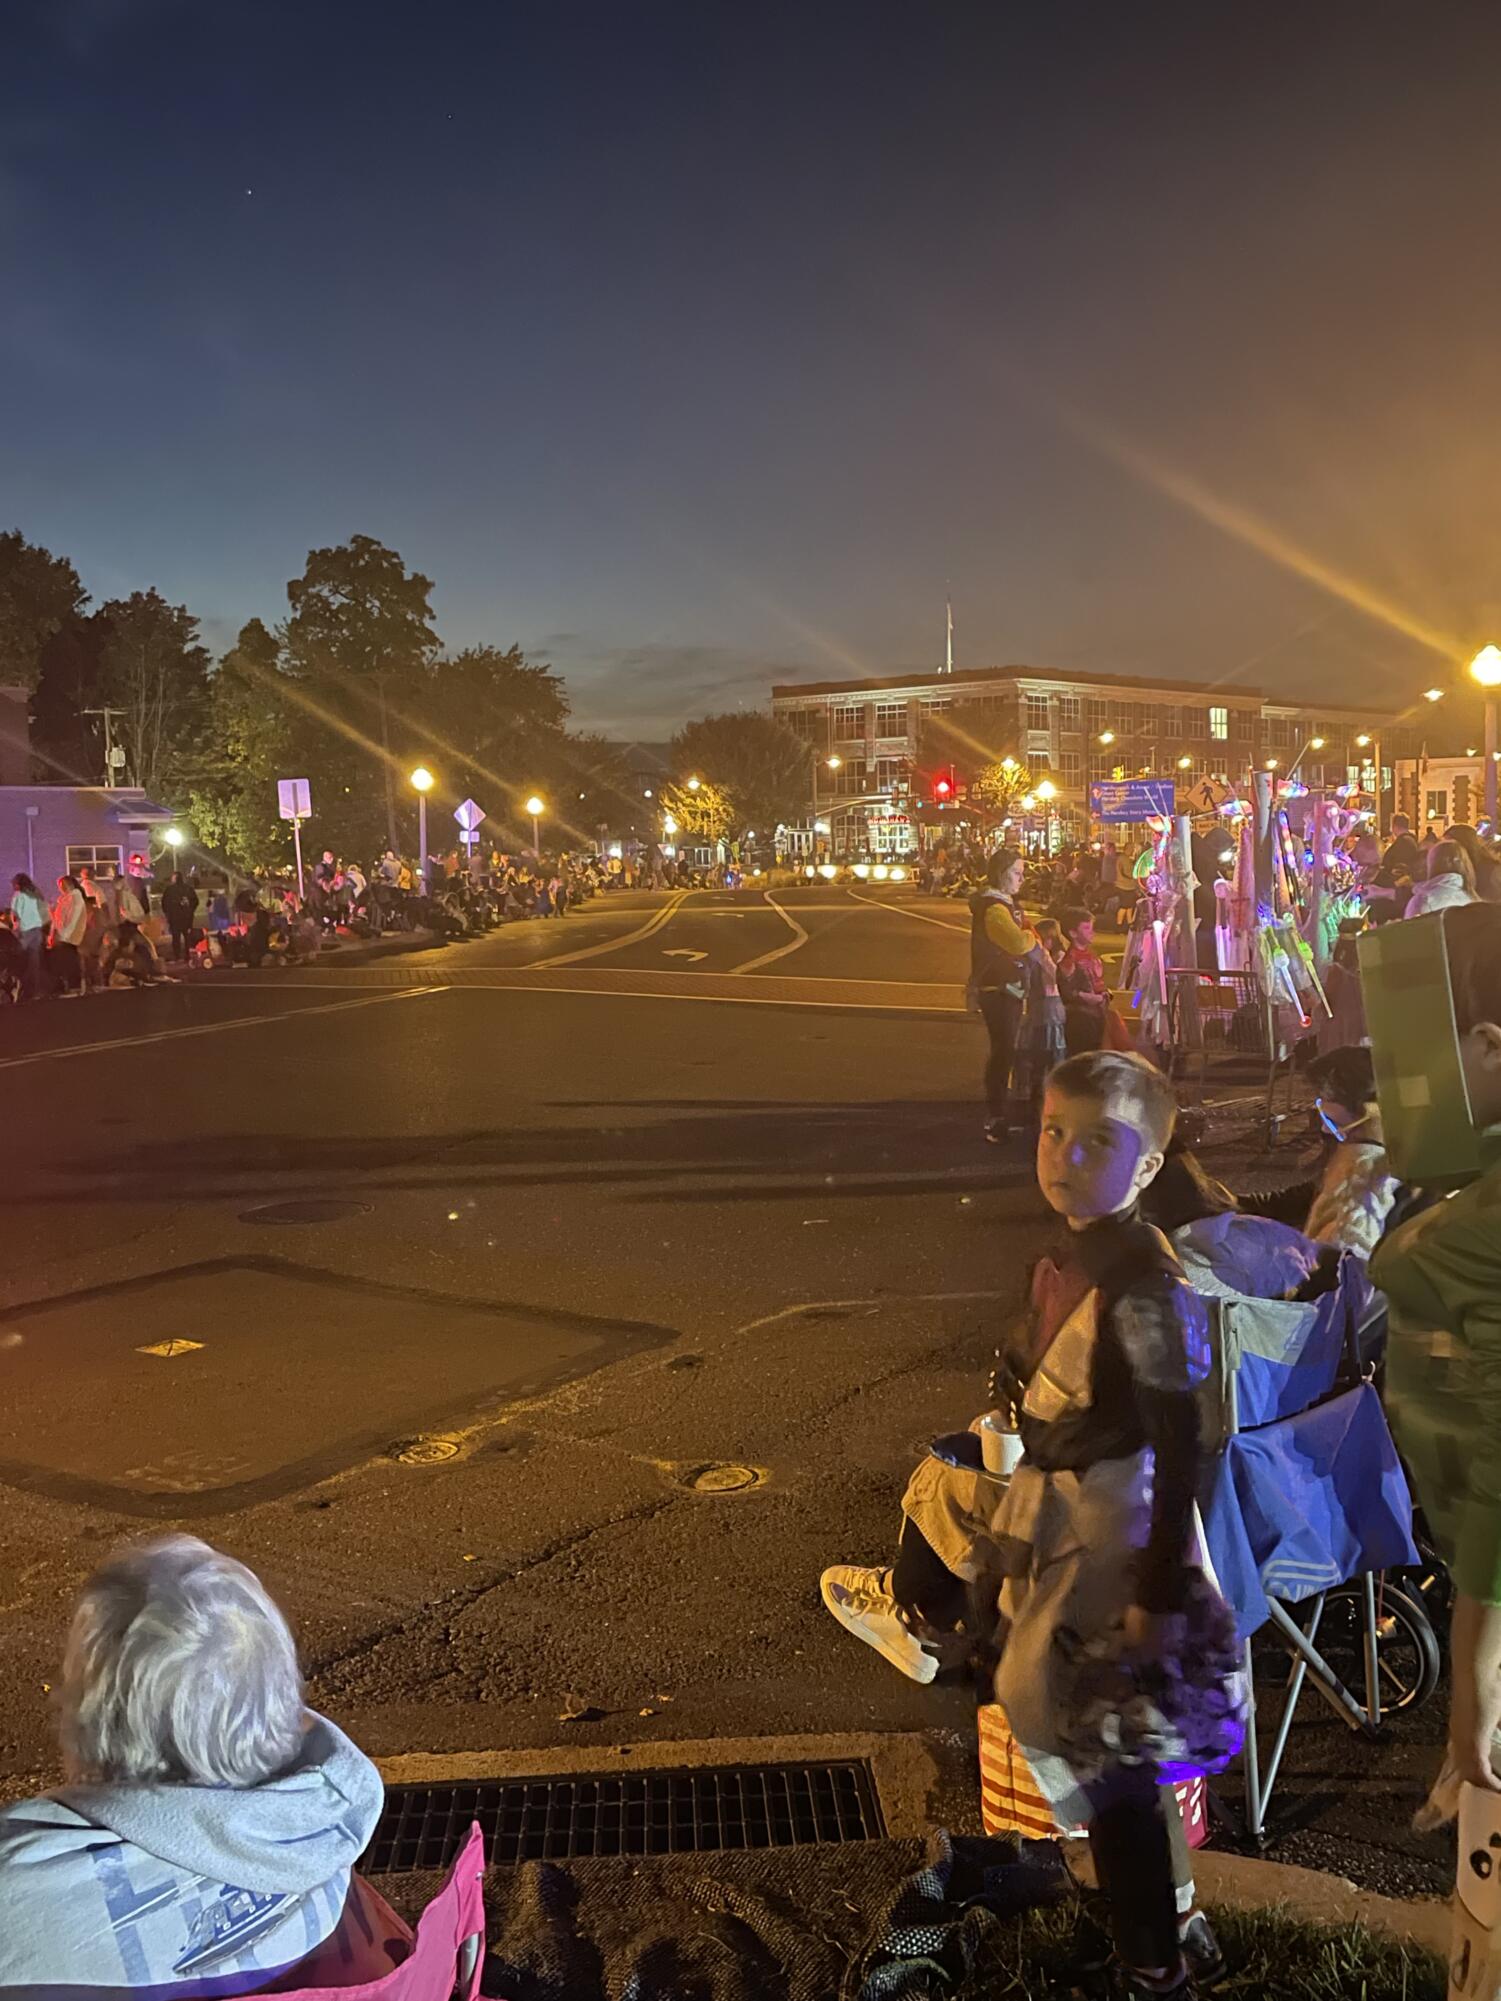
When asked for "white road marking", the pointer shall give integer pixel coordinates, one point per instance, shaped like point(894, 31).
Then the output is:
point(646, 930)
point(800, 938)
point(209, 1028)
point(900, 910)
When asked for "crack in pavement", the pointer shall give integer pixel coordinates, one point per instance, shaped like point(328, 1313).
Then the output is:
point(444, 1611)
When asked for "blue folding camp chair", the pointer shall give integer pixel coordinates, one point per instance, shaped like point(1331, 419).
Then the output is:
point(1307, 1496)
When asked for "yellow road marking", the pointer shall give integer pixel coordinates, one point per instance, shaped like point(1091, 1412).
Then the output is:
point(169, 1348)
point(799, 939)
point(654, 924)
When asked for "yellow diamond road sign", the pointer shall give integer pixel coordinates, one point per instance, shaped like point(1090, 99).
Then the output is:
point(170, 1348)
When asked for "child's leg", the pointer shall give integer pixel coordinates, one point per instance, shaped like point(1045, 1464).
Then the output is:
point(1134, 1864)
point(922, 1583)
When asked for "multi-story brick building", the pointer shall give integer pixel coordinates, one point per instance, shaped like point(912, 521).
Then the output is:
point(1071, 728)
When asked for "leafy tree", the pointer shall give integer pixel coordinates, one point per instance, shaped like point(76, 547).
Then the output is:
point(490, 722)
point(360, 638)
point(704, 809)
point(67, 742)
point(154, 669)
point(247, 746)
point(40, 595)
point(761, 766)
point(1000, 787)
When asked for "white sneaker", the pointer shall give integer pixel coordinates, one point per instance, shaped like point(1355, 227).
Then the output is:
point(861, 1600)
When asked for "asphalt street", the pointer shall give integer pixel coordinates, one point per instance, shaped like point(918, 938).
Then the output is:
point(539, 1316)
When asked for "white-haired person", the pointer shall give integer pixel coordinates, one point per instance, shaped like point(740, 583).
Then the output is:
point(204, 1843)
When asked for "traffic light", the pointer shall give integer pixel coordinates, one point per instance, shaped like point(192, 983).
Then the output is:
point(941, 788)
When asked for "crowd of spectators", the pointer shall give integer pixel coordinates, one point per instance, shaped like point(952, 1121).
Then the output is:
point(106, 930)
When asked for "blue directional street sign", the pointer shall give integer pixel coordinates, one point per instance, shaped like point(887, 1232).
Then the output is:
point(1119, 802)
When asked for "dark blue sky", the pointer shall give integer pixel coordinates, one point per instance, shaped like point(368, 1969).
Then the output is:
point(697, 346)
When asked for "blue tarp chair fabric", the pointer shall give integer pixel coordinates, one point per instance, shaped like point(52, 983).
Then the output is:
point(1306, 1503)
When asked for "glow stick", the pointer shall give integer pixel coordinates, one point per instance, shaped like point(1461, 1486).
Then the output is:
point(1161, 958)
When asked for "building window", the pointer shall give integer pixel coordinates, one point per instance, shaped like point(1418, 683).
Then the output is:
point(937, 706)
point(890, 773)
point(1243, 725)
point(1101, 766)
point(1039, 764)
point(849, 720)
point(1171, 722)
point(805, 722)
point(1219, 724)
point(1071, 769)
point(98, 861)
point(1438, 808)
point(1099, 716)
point(891, 718)
point(1037, 712)
point(1069, 709)
point(851, 778)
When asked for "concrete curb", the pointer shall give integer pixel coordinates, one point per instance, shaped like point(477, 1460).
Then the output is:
point(1249, 1882)
point(906, 1770)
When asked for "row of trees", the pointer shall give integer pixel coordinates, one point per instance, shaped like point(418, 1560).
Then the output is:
point(350, 690)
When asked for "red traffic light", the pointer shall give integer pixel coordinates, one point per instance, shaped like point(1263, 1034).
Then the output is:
point(942, 788)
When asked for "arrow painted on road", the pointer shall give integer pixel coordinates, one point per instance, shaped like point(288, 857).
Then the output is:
point(682, 952)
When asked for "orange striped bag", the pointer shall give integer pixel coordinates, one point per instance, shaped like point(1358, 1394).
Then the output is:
point(1010, 1797)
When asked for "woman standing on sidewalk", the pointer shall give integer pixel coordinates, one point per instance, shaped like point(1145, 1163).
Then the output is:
point(1001, 943)
point(32, 918)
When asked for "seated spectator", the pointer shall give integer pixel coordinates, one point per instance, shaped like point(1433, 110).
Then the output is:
point(128, 958)
point(205, 1840)
point(1357, 1187)
point(1450, 881)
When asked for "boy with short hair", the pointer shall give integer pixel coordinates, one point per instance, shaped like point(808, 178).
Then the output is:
point(1118, 1668)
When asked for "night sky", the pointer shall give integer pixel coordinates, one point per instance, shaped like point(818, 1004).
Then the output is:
point(697, 347)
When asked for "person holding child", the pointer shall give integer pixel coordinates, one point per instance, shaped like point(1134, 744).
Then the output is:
point(1118, 1667)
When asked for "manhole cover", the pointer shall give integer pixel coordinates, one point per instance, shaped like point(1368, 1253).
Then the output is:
point(425, 1451)
point(315, 1210)
point(719, 1477)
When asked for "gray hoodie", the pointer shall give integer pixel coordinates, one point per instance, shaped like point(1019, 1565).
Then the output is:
point(182, 1890)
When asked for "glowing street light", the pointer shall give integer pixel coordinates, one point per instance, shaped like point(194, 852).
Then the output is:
point(1272, 763)
point(1315, 743)
point(669, 826)
point(174, 837)
point(1185, 763)
point(834, 762)
point(1029, 803)
point(831, 763)
point(422, 784)
point(1107, 736)
point(1485, 671)
point(1047, 789)
point(1363, 741)
point(1433, 694)
point(1008, 764)
point(537, 806)
point(694, 784)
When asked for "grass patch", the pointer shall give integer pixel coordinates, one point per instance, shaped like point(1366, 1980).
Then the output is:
point(1271, 1957)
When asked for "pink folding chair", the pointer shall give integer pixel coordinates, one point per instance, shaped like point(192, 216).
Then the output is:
point(447, 1952)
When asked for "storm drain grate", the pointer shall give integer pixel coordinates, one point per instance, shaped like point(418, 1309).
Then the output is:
point(628, 1813)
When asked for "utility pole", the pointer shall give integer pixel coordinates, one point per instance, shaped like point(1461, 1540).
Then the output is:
point(114, 754)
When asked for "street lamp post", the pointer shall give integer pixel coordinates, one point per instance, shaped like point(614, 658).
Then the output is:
point(831, 763)
point(1485, 670)
point(536, 807)
point(422, 782)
